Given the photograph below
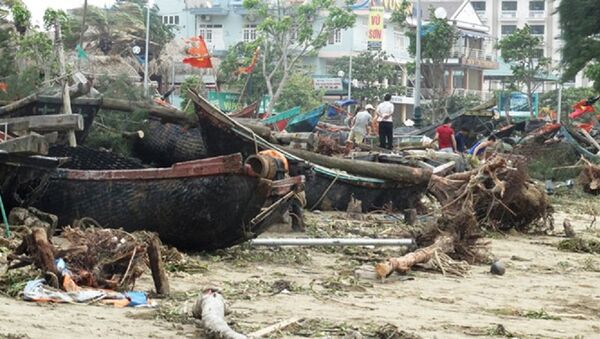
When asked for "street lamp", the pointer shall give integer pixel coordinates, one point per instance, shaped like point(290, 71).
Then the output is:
point(148, 6)
point(417, 104)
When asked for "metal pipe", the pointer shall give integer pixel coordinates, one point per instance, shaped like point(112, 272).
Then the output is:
point(330, 242)
point(146, 51)
point(417, 94)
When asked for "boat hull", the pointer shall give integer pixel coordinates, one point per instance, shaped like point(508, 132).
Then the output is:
point(325, 192)
point(197, 205)
point(184, 212)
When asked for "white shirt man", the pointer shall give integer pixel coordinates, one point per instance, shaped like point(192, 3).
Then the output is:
point(385, 111)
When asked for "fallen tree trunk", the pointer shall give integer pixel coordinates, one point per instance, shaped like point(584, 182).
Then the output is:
point(256, 127)
point(398, 173)
point(167, 114)
point(443, 243)
point(210, 307)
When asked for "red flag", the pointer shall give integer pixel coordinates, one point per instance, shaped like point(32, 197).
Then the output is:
point(3, 86)
point(248, 69)
point(199, 56)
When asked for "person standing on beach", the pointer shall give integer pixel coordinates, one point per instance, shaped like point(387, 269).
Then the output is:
point(384, 113)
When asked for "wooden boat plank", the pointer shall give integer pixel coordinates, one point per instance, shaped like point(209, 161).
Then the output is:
point(231, 164)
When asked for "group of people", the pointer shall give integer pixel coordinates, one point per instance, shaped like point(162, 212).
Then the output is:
point(378, 120)
point(451, 142)
point(369, 121)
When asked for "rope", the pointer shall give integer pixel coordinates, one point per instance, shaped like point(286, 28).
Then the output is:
point(4, 219)
point(337, 175)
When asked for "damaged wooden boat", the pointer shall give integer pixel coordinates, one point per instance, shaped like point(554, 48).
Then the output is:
point(306, 122)
point(325, 188)
point(196, 205)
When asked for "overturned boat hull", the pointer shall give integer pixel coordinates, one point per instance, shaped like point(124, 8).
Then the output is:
point(197, 205)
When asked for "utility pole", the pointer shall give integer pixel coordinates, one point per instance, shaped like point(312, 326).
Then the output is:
point(146, 51)
point(350, 66)
point(417, 91)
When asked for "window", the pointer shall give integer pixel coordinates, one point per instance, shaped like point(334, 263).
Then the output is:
point(508, 29)
point(538, 53)
point(335, 37)
point(458, 78)
point(249, 33)
point(509, 5)
point(479, 6)
point(537, 29)
point(537, 5)
point(208, 32)
point(170, 19)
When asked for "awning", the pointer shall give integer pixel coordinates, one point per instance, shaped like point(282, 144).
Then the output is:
point(473, 34)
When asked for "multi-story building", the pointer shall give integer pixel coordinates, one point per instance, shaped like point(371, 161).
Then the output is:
point(505, 16)
point(224, 23)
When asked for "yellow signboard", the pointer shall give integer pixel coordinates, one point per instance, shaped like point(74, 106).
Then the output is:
point(375, 37)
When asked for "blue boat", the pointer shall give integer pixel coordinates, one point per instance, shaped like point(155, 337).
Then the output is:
point(280, 121)
point(306, 122)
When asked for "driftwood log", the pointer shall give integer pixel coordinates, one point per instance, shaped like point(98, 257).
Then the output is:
point(159, 275)
point(398, 173)
point(443, 244)
point(210, 308)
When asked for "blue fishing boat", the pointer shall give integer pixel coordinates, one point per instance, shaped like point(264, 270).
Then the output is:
point(280, 121)
point(306, 122)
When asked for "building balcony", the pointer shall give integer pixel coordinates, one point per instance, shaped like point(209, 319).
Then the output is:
point(207, 7)
point(408, 96)
point(473, 57)
point(539, 14)
point(508, 15)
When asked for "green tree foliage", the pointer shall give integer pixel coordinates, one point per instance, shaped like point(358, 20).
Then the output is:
point(294, 30)
point(522, 51)
point(371, 69)
point(580, 30)
point(456, 103)
point(299, 91)
point(123, 24)
point(437, 40)
point(108, 125)
point(195, 83)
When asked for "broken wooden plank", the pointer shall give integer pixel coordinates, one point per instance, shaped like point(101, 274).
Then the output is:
point(13, 106)
point(159, 275)
point(28, 144)
point(49, 123)
point(13, 126)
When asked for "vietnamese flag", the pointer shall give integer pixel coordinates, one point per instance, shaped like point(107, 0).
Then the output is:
point(248, 69)
point(199, 56)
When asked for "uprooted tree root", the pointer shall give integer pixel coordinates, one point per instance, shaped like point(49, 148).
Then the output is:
point(498, 194)
point(589, 178)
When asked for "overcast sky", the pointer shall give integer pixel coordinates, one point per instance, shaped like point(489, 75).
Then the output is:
point(38, 7)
